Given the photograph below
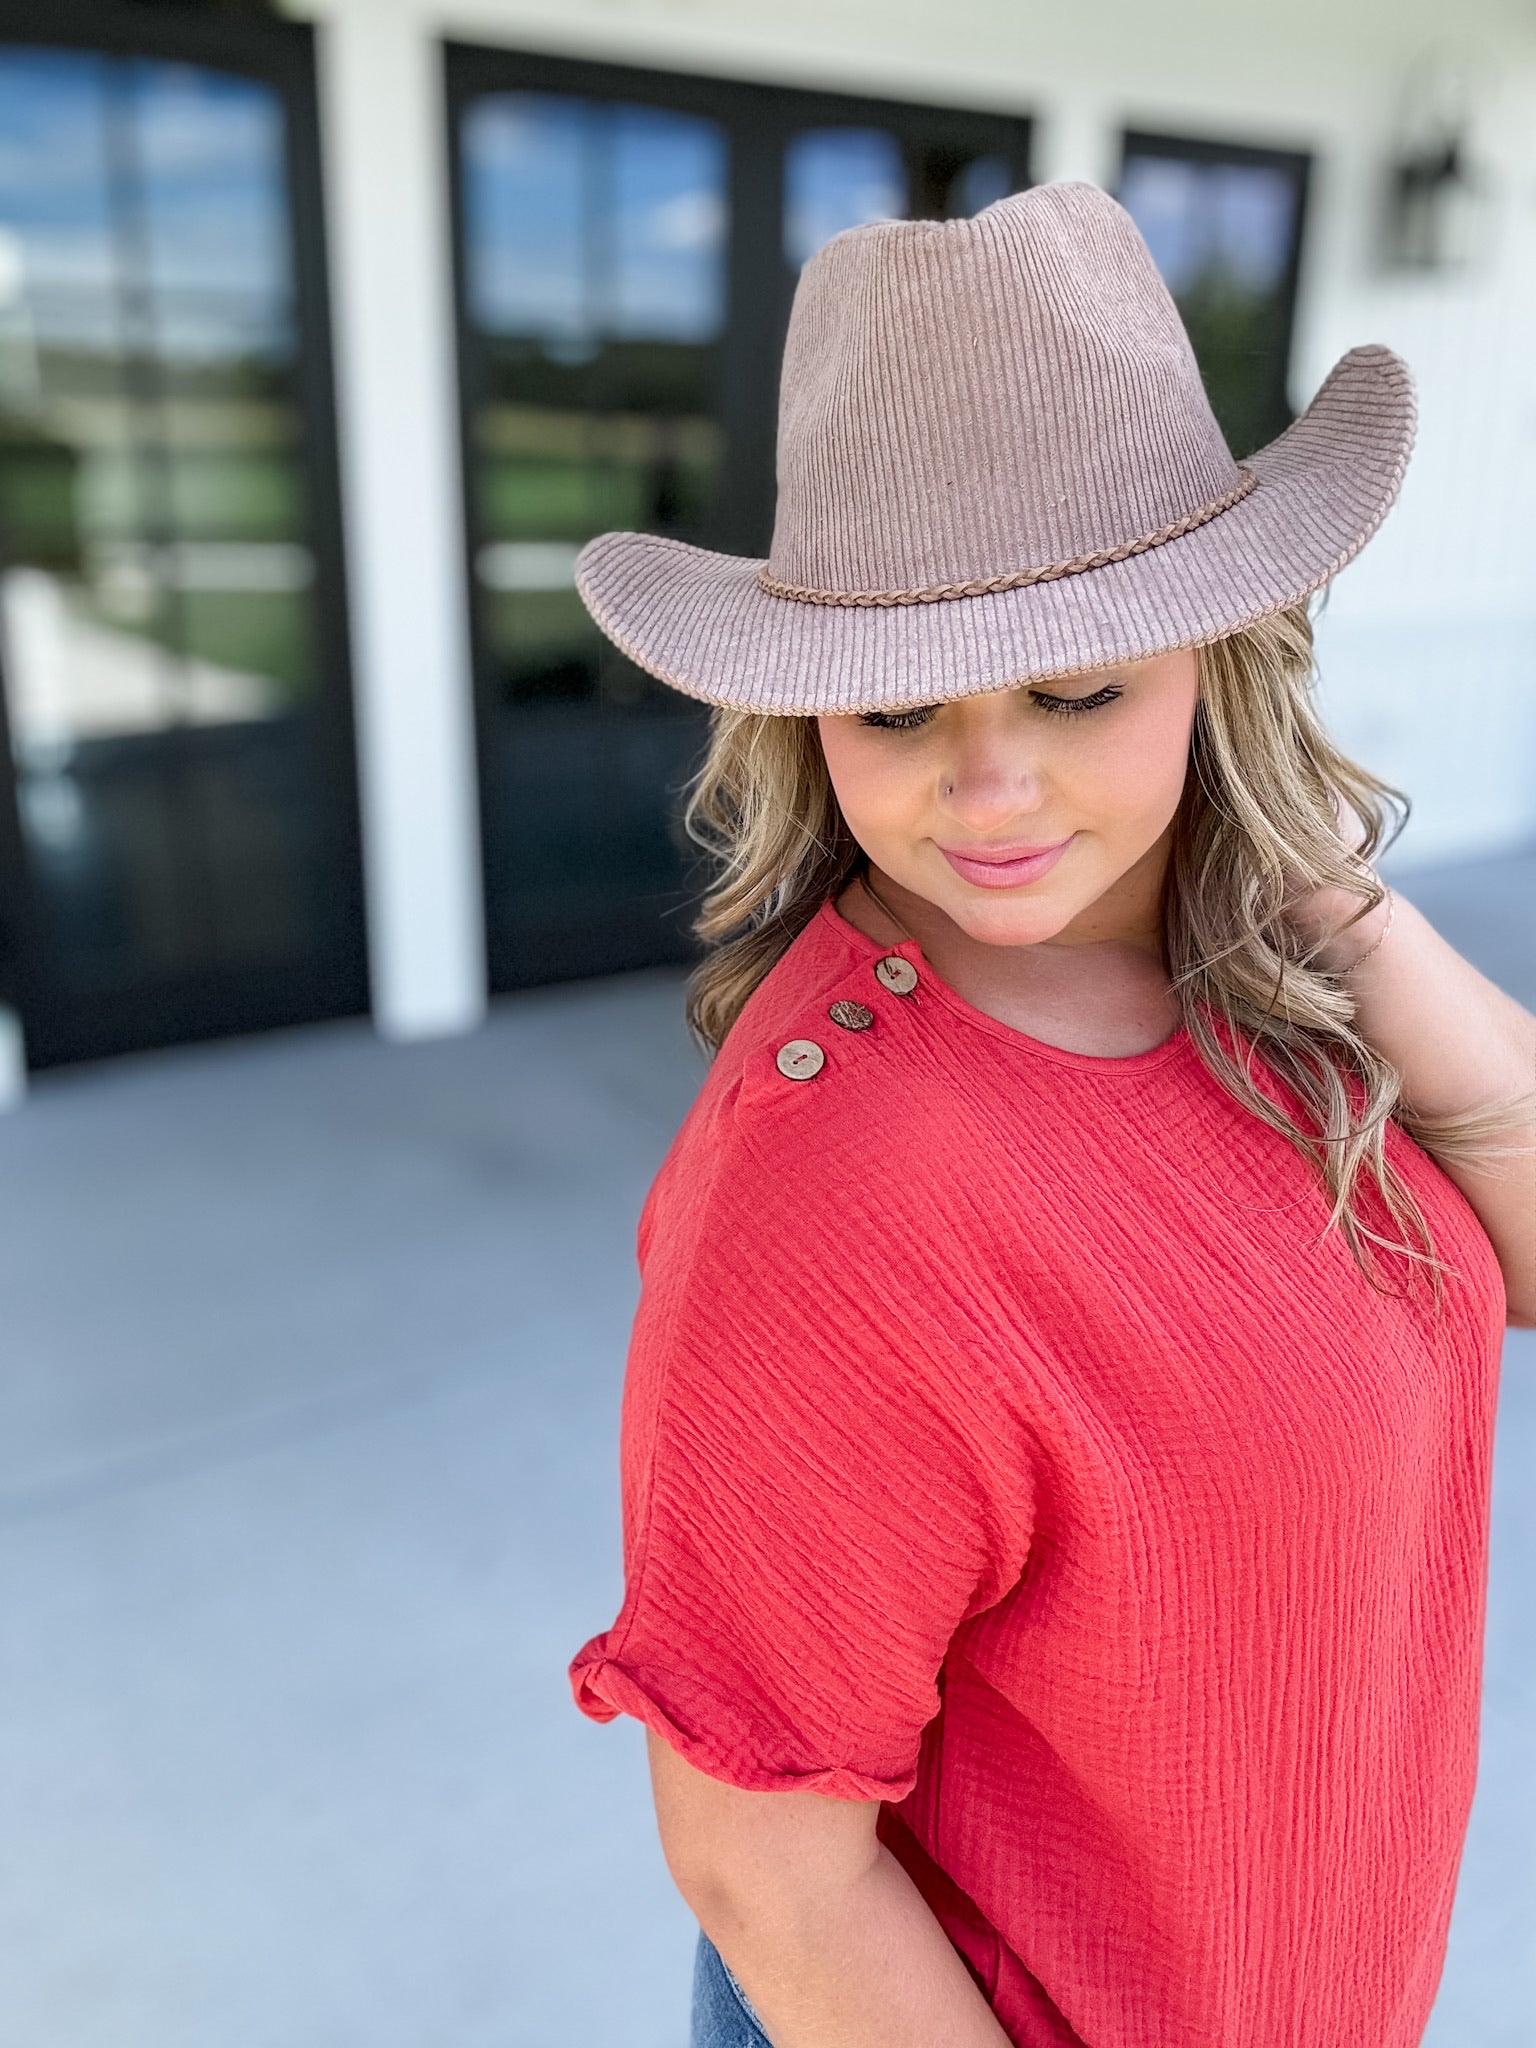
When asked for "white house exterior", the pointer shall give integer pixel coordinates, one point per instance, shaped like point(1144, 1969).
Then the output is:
point(1427, 642)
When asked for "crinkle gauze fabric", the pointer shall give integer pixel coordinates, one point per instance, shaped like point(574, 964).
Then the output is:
point(1003, 1439)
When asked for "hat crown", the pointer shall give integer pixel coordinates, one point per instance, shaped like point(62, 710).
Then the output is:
point(969, 399)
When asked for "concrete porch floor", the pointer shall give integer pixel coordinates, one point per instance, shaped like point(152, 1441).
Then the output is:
point(308, 1492)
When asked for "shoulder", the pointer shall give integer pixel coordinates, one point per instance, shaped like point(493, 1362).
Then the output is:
point(820, 1042)
point(803, 1224)
point(793, 1103)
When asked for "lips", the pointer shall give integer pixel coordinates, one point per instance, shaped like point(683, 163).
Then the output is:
point(1004, 867)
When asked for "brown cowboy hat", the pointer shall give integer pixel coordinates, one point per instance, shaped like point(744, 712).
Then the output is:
point(997, 463)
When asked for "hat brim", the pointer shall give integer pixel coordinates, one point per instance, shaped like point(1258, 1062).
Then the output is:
point(701, 621)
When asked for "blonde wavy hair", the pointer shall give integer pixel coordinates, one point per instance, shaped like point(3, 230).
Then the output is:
point(1256, 829)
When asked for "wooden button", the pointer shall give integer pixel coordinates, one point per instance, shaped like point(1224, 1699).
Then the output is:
point(852, 1016)
point(800, 1059)
point(896, 973)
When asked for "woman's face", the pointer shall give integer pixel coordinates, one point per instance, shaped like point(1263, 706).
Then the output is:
point(1014, 811)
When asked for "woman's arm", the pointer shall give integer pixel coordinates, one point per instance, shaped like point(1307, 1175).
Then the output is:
point(1458, 1042)
point(822, 1927)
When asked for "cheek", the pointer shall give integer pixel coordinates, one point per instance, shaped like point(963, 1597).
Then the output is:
point(878, 791)
point(1137, 776)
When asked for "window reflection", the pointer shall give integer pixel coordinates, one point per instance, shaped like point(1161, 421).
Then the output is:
point(590, 221)
point(1224, 235)
point(525, 209)
point(156, 576)
point(595, 239)
point(984, 180)
point(209, 148)
point(836, 178)
point(1201, 219)
point(595, 236)
point(145, 402)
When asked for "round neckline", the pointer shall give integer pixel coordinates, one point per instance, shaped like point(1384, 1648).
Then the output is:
point(1058, 1055)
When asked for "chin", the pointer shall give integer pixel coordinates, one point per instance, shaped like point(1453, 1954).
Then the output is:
point(1008, 921)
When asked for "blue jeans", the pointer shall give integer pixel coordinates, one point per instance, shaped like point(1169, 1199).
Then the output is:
point(722, 2014)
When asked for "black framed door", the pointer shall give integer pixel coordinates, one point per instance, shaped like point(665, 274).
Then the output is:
point(627, 244)
point(178, 825)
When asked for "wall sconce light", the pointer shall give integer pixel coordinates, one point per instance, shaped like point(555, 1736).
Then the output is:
point(1436, 199)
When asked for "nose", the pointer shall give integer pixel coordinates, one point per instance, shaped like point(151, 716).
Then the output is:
point(992, 777)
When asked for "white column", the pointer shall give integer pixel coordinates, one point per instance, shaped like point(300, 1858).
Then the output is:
point(13, 1059)
point(385, 155)
point(1076, 137)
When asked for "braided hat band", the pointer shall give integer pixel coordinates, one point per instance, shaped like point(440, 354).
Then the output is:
point(1018, 579)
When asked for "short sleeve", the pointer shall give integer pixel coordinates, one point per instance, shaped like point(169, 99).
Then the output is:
point(817, 1491)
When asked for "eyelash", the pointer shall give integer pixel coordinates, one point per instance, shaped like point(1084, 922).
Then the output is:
point(1065, 707)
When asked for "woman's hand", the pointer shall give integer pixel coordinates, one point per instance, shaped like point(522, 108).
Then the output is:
point(1331, 920)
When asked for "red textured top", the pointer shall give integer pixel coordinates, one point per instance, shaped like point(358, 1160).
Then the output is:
point(1003, 1439)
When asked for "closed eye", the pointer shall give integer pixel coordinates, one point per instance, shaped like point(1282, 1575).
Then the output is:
point(920, 714)
point(898, 721)
point(1073, 704)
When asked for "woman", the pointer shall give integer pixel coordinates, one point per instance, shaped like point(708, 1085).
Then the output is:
point(1056, 1430)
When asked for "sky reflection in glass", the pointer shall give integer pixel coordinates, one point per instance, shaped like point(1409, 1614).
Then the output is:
point(1198, 217)
point(170, 173)
point(984, 180)
point(836, 178)
point(591, 221)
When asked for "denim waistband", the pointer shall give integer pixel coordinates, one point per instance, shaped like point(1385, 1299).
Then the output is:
point(722, 2012)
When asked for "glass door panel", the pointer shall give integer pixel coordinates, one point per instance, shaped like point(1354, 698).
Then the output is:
point(841, 177)
point(594, 247)
point(1224, 226)
point(176, 773)
point(836, 178)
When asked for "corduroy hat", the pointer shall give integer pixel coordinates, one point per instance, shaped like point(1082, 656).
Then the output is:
point(997, 463)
